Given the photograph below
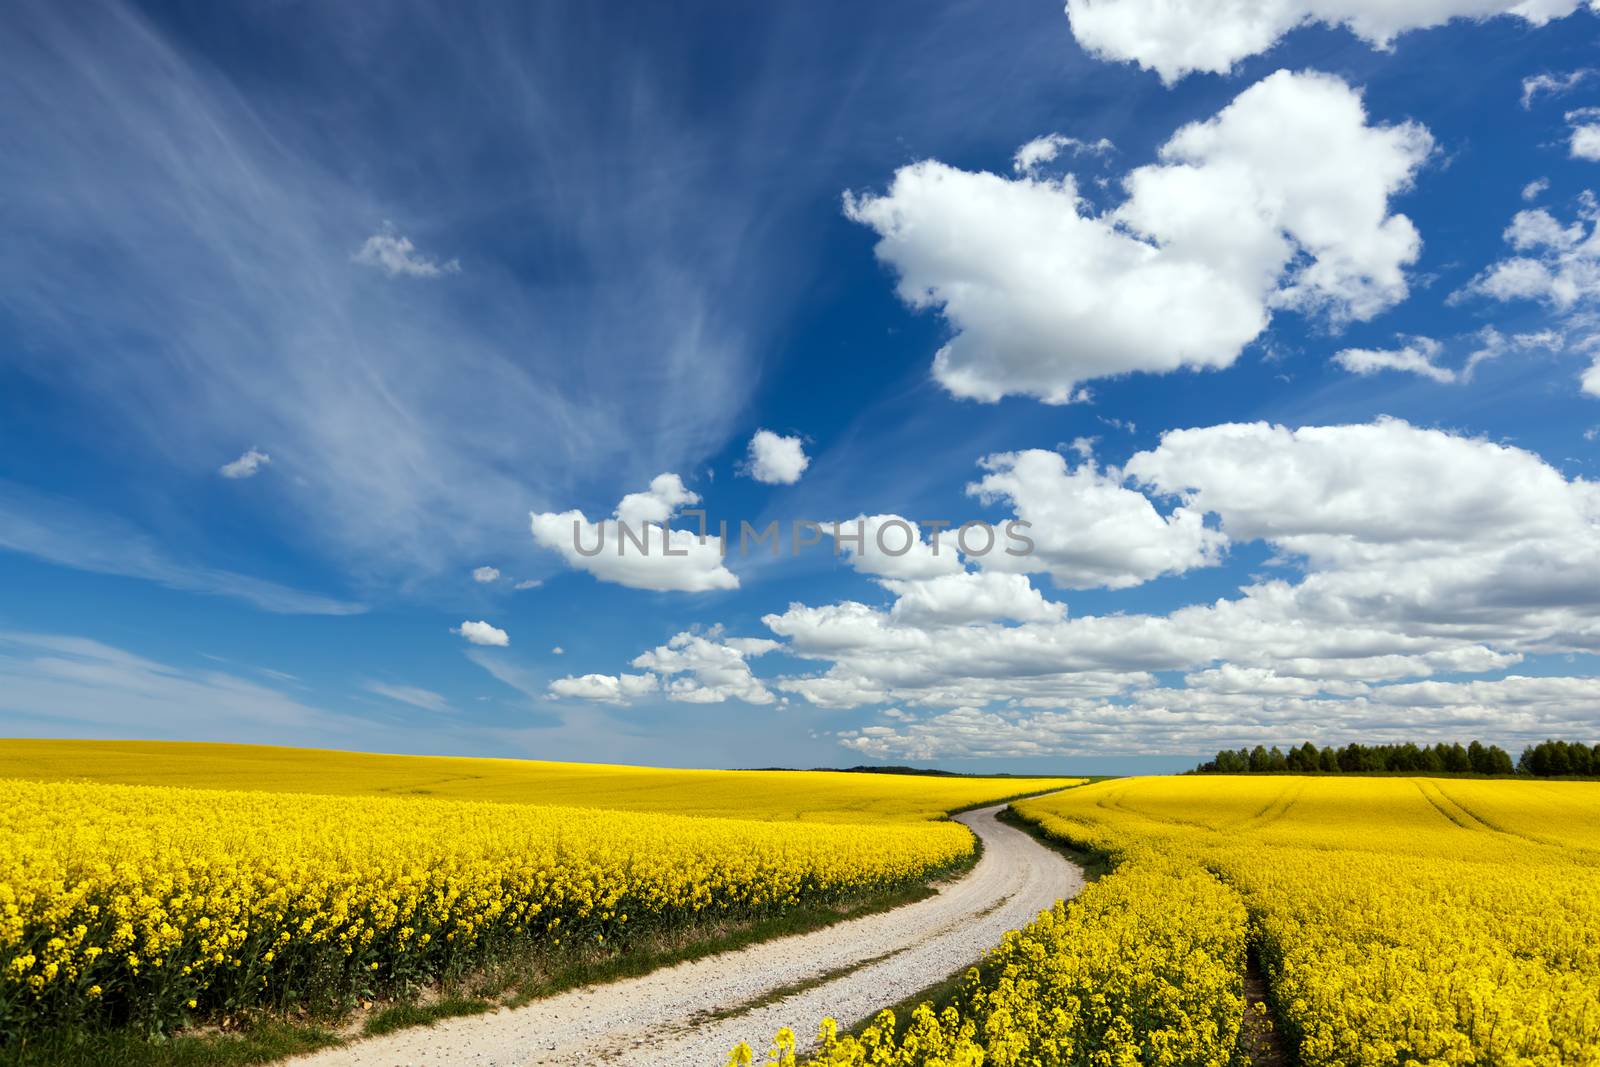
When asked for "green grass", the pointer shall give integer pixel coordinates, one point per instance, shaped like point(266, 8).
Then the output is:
point(262, 1042)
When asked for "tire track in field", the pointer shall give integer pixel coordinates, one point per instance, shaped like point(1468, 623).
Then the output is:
point(692, 1014)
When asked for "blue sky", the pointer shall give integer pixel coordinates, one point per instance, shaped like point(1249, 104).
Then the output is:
point(1278, 332)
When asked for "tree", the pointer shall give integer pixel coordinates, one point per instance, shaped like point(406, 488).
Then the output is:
point(1544, 759)
point(1500, 761)
point(1578, 756)
point(1478, 756)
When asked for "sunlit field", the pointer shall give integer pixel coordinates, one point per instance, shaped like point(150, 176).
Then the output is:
point(159, 906)
point(822, 796)
point(1395, 921)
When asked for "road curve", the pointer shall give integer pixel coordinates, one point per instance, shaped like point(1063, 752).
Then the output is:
point(691, 1014)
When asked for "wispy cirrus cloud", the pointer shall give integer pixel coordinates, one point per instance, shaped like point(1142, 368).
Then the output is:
point(421, 425)
point(62, 532)
point(417, 697)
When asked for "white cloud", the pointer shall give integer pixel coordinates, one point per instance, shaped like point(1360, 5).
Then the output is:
point(528, 583)
point(1538, 85)
point(1279, 201)
point(1408, 553)
point(1089, 530)
point(481, 633)
point(691, 668)
point(708, 669)
point(605, 688)
point(1206, 717)
point(1492, 344)
point(1338, 493)
point(889, 546)
point(1584, 140)
point(1589, 380)
point(395, 255)
point(1042, 150)
point(1175, 39)
point(1535, 189)
point(246, 465)
point(1556, 264)
point(777, 460)
point(633, 548)
point(1416, 356)
point(485, 575)
point(1422, 552)
point(558, 651)
point(426, 699)
point(982, 596)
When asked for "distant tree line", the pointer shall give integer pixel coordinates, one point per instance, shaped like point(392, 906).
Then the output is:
point(1547, 759)
point(1552, 759)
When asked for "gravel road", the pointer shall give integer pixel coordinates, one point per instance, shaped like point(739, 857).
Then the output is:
point(693, 1013)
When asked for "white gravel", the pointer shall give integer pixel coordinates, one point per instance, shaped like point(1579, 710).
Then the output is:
point(692, 1014)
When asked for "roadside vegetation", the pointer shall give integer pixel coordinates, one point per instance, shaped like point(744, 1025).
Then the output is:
point(1391, 920)
point(150, 910)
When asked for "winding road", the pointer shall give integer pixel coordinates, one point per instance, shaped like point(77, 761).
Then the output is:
point(693, 1013)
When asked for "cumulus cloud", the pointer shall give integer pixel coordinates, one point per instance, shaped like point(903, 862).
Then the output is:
point(1175, 39)
point(635, 548)
point(691, 668)
point(1416, 356)
point(605, 688)
point(528, 583)
point(395, 255)
point(1088, 529)
point(485, 575)
point(1204, 718)
point(1279, 201)
point(1556, 263)
point(246, 466)
point(928, 577)
point(1583, 141)
point(891, 546)
point(1405, 553)
point(1419, 553)
point(776, 460)
point(1535, 189)
point(481, 633)
point(953, 599)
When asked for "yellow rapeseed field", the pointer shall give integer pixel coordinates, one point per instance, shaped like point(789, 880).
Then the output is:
point(811, 796)
point(158, 905)
point(1397, 920)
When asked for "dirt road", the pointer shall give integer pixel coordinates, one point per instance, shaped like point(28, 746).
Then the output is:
point(692, 1014)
